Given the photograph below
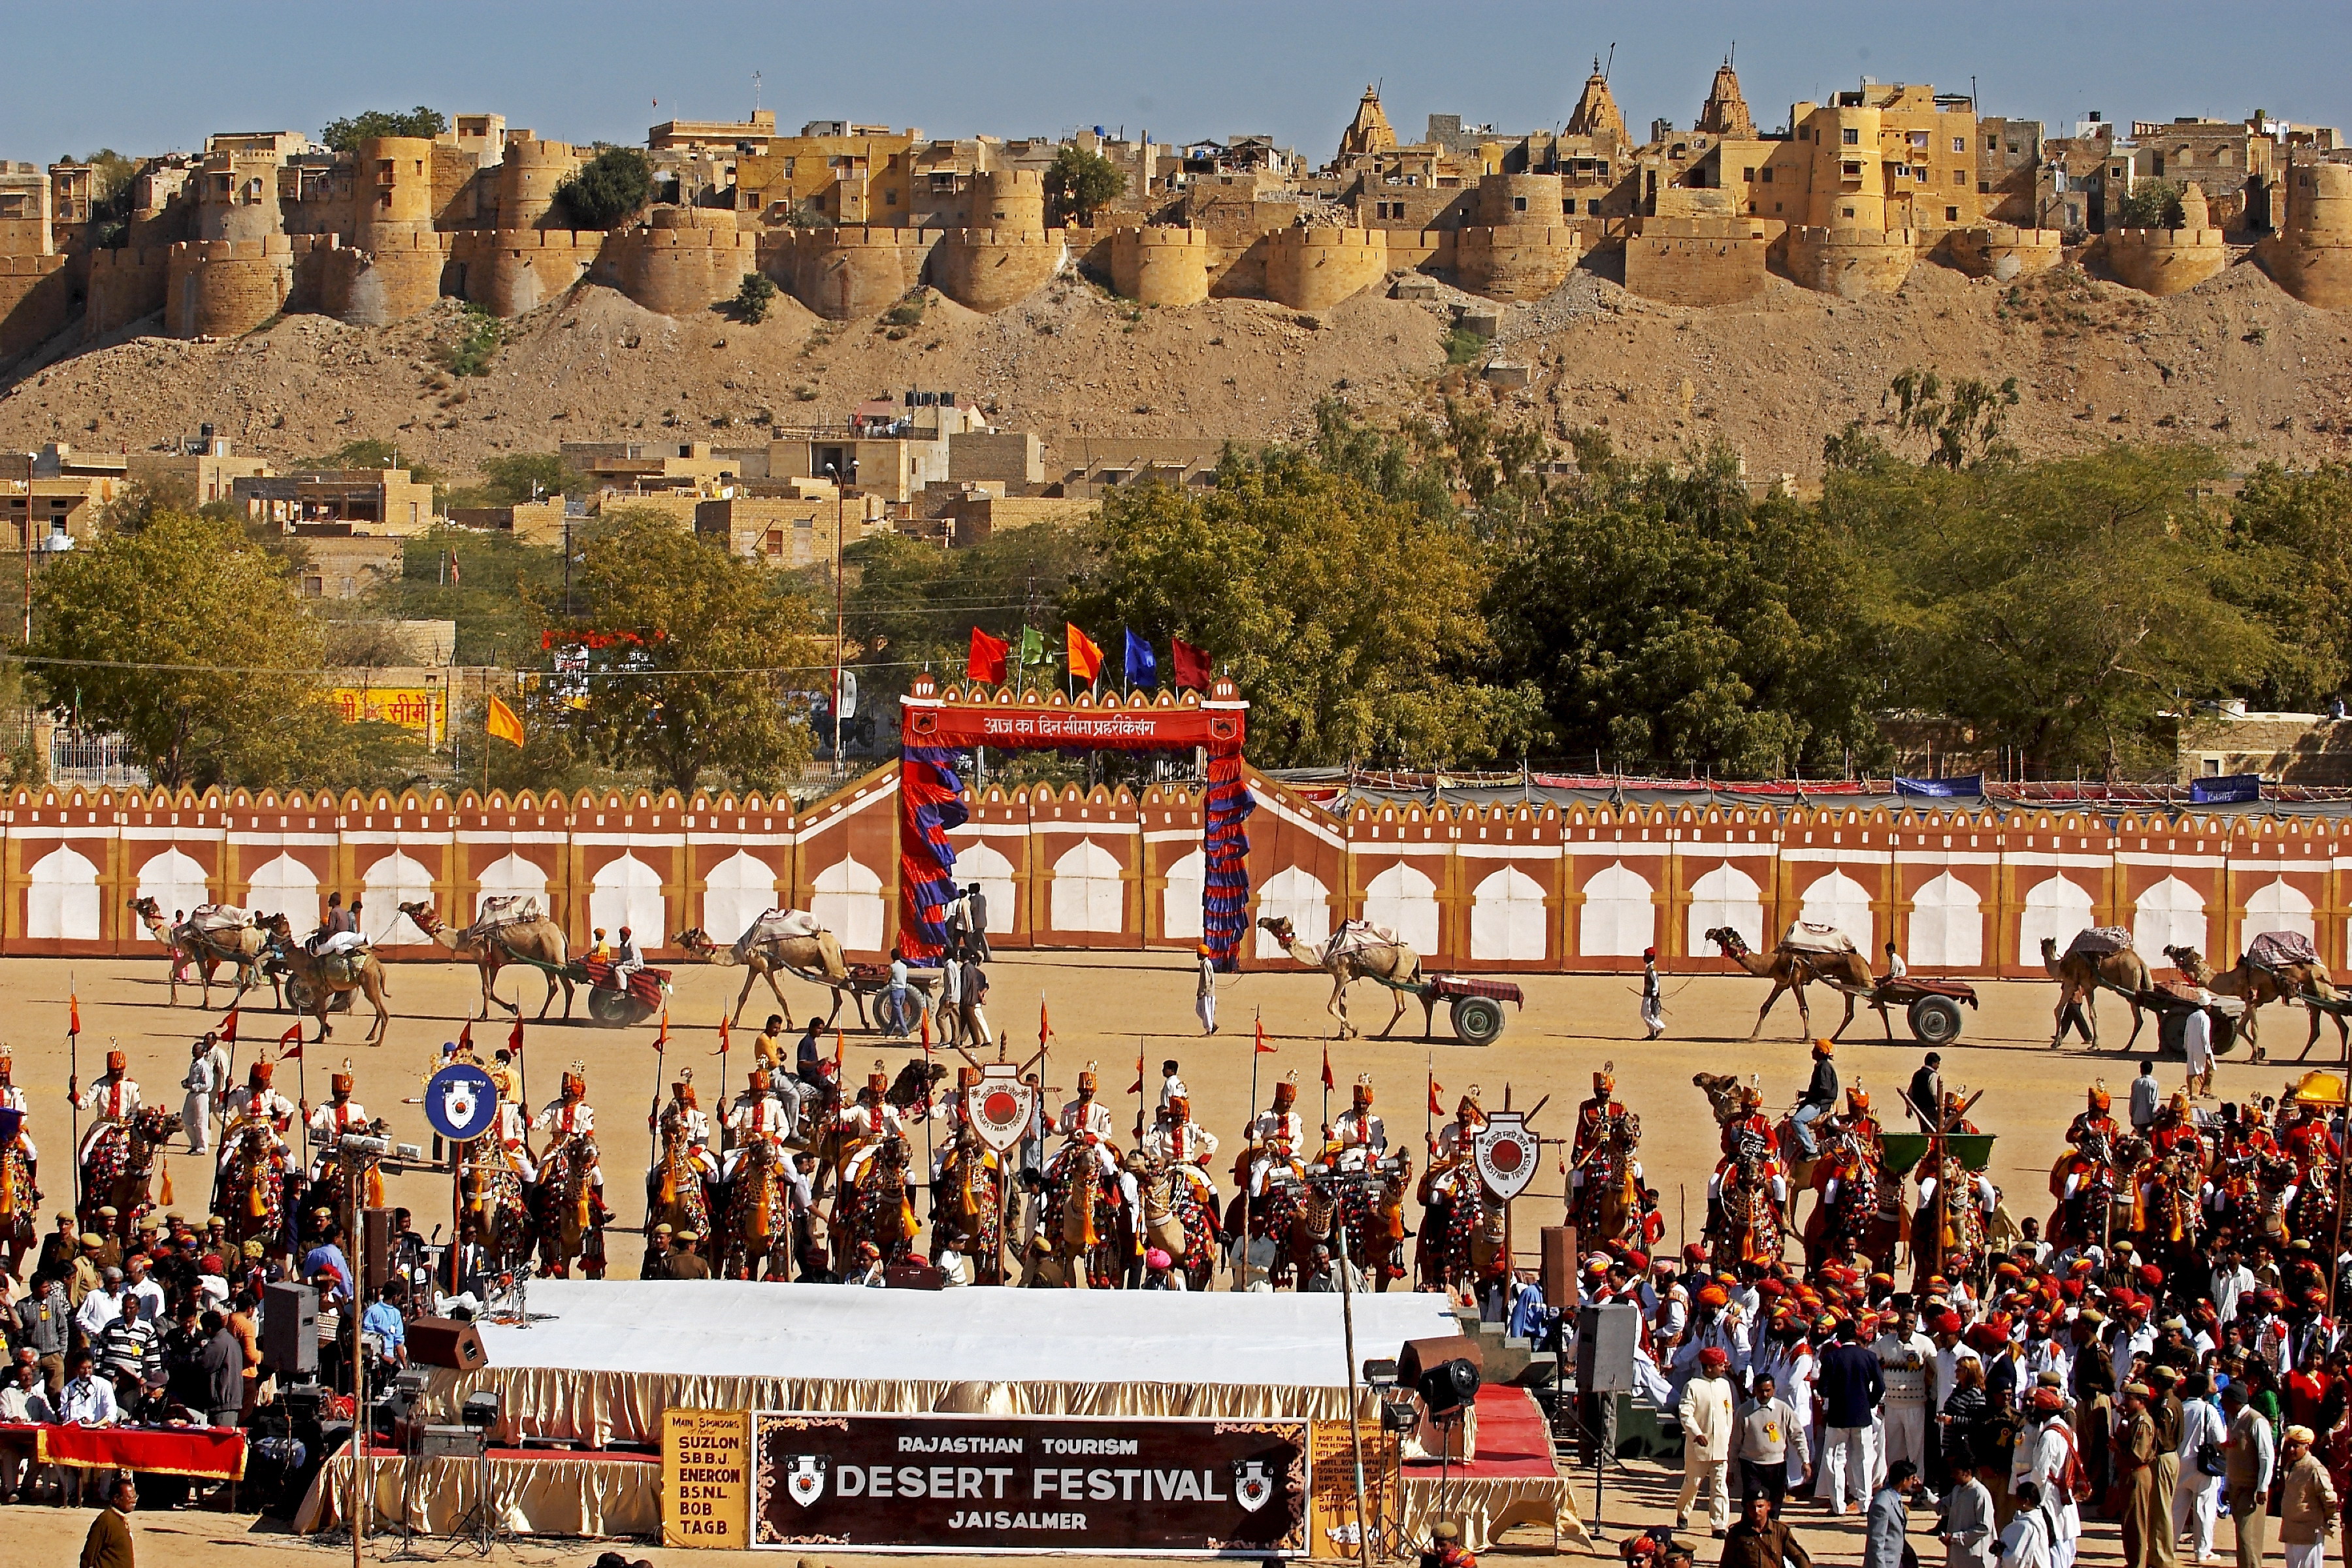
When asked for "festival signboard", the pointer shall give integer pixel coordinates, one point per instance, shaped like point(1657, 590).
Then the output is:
point(1124, 1486)
point(1001, 1106)
point(1507, 1153)
point(706, 1477)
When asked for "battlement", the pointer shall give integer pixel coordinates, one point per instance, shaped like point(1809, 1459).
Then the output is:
point(2163, 261)
point(989, 268)
point(475, 240)
point(137, 258)
point(2003, 251)
point(1526, 261)
point(1851, 263)
point(31, 265)
point(1314, 268)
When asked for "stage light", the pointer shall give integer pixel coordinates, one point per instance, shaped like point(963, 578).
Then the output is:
point(1397, 1412)
point(481, 1410)
point(1446, 1388)
point(1381, 1373)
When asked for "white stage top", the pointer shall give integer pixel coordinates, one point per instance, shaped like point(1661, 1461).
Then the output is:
point(745, 1329)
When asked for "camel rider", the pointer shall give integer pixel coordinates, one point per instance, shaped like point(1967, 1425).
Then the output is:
point(867, 1124)
point(1186, 1148)
point(810, 1064)
point(687, 1117)
point(2095, 1132)
point(570, 1116)
point(768, 1049)
point(255, 1101)
point(1598, 1121)
point(1275, 1137)
point(342, 1114)
point(13, 1099)
point(340, 931)
point(1860, 1124)
point(1452, 1169)
point(1359, 1138)
point(1748, 1131)
point(1981, 1187)
point(509, 1125)
point(1086, 1120)
point(1819, 1098)
point(2176, 1130)
point(626, 959)
point(756, 1117)
point(115, 1098)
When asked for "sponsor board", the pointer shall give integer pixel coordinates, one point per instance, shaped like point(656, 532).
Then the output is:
point(706, 1477)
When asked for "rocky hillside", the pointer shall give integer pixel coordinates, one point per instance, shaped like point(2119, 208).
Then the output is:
point(2235, 362)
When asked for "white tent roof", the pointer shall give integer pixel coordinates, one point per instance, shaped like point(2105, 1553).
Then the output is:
point(741, 1328)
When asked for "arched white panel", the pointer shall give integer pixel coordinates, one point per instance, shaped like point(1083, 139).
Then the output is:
point(1507, 917)
point(1837, 899)
point(1299, 896)
point(286, 886)
point(1404, 900)
point(993, 872)
point(1619, 919)
point(739, 890)
point(848, 901)
point(2055, 908)
point(1180, 907)
point(2278, 906)
point(175, 882)
point(2169, 914)
point(1947, 925)
point(1726, 896)
point(509, 875)
point(62, 901)
point(627, 892)
point(1088, 894)
point(394, 880)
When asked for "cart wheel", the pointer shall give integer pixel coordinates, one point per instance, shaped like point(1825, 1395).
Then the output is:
point(1935, 1020)
point(1477, 1020)
point(618, 1008)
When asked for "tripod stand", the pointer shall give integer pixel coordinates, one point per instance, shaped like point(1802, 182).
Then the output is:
point(485, 1521)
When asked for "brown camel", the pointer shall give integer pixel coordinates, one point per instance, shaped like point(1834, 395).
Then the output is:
point(537, 942)
point(239, 945)
point(816, 959)
point(2256, 984)
point(1789, 969)
point(2078, 975)
point(1382, 959)
point(324, 979)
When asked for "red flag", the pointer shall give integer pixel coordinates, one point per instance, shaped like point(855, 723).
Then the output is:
point(227, 1030)
point(987, 659)
point(73, 1015)
point(1327, 1068)
point(514, 1036)
point(1086, 659)
point(1436, 1089)
point(661, 1041)
point(926, 1031)
point(466, 1037)
point(1138, 1070)
point(1191, 666)
point(722, 1038)
point(836, 1056)
point(290, 1045)
point(1043, 1029)
point(1263, 1048)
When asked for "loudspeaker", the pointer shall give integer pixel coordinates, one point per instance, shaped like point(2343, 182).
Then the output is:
point(1558, 1265)
point(375, 1235)
point(1447, 1387)
point(1604, 1347)
point(289, 1329)
point(444, 1342)
point(1419, 1355)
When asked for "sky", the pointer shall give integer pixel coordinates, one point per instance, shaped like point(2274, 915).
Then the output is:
point(151, 77)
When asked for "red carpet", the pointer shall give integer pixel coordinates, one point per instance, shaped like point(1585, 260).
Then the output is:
point(1513, 1440)
point(380, 1449)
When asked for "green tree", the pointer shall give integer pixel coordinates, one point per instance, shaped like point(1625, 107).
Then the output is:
point(2290, 566)
point(1079, 183)
point(520, 477)
point(725, 645)
point(345, 135)
point(613, 185)
point(1350, 619)
point(190, 644)
point(1671, 621)
point(2151, 203)
point(1963, 423)
point(2056, 607)
point(501, 584)
point(755, 296)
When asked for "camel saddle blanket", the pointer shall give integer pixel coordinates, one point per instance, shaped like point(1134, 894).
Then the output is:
point(217, 916)
point(1359, 936)
point(2279, 949)
point(2097, 942)
point(1805, 937)
point(341, 970)
point(644, 984)
point(776, 925)
point(504, 910)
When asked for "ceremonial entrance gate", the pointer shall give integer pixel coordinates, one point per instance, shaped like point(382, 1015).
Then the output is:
point(937, 728)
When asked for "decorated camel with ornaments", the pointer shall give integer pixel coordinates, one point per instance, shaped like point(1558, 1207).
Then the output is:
point(1358, 950)
point(511, 929)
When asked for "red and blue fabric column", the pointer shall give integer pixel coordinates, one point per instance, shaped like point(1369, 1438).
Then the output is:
point(1225, 890)
point(931, 806)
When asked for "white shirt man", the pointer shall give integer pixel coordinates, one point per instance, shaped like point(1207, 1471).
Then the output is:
point(2041, 1457)
point(115, 1099)
point(2196, 1499)
point(2229, 1282)
point(1708, 1420)
point(1089, 1122)
point(102, 1306)
point(1907, 1362)
point(754, 1117)
point(196, 1105)
point(88, 1401)
point(1186, 1148)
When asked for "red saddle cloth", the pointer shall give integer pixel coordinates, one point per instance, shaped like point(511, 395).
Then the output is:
point(646, 985)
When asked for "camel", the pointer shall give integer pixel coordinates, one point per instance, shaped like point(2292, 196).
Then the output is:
point(538, 943)
point(816, 958)
point(2079, 975)
point(2256, 984)
point(240, 945)
point(1382, 959)
point(1789, 969)
point(324, 979)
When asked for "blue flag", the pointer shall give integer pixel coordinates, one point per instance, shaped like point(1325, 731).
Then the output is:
point(1142, 666)
point(1968, 784)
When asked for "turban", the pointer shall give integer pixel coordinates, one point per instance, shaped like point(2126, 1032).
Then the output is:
point(2151, 1276)
point(1713, 1295)
point(2047, 1402)
point(1948, 1322)
point(2299, 1435)
point(1713, 1359)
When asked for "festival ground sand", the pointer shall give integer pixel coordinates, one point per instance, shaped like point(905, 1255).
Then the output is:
point(1570, 1026)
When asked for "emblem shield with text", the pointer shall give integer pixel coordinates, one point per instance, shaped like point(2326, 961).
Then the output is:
point(805, 1477)
point(1000, 1105)
point(1506, 1151)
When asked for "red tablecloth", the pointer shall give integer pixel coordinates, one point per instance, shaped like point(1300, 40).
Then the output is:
point(214, 1453)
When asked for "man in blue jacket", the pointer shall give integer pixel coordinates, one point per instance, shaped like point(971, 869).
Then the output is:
point(1851, 1387)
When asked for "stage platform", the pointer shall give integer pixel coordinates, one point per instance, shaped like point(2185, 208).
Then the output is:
point(601, 1360)
point(1512, 1480)
point(533, 1492)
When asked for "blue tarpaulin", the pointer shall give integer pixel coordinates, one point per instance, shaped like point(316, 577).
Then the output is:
point(1968, 784)
point(2225, 790)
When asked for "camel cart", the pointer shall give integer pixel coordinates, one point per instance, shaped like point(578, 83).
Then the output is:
point(615, 999)
point(2172, 1004)
point(1475, 1006)
point(1931, 1008)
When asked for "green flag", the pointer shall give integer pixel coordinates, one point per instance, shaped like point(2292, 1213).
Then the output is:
point(1033, 645)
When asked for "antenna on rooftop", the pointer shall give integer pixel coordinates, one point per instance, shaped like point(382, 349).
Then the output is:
point(755, 92)
point(1613, 62)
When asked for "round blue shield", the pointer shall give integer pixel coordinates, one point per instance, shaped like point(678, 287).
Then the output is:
point(460, 1101)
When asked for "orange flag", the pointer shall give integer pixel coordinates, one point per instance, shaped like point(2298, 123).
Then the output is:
point(661, 1041)
point(500, 723)
point(227, 1031)
point(290, 1045)
point(1086, 659)
point(1262, 1046)
point(1327, 1068)
point(723, 1038)
point(73, 1015)
point(1436, 1089)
